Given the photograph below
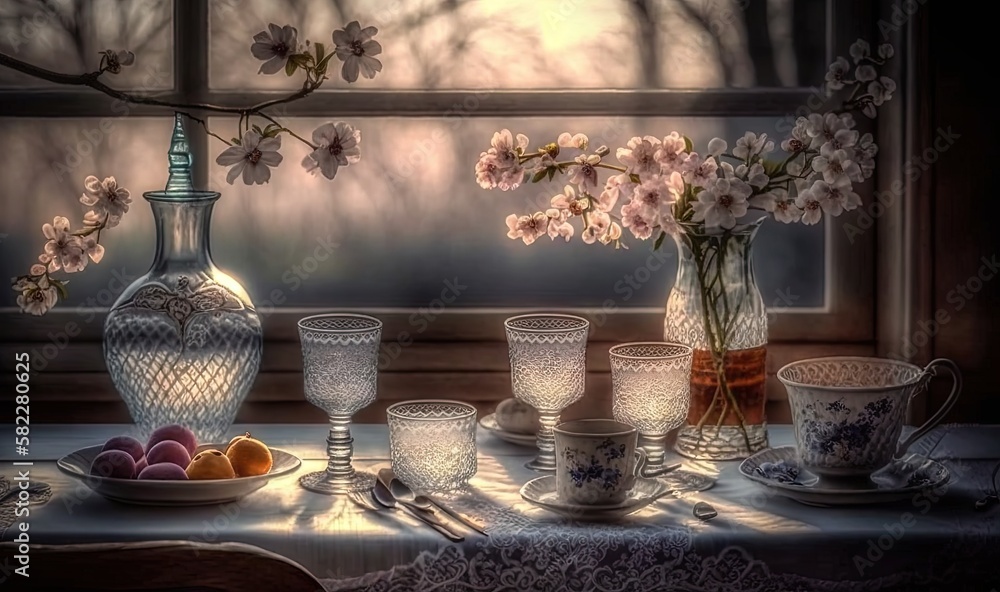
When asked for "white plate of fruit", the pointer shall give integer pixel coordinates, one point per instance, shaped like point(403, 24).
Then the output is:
point(172, 469)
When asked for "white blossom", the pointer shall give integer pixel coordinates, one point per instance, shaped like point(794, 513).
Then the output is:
point(699, 172)
point(583, 171)
point(837, 74)
point(786, 211)
point(527, 228)
point(885, 51)
point(578, 141)
point(337, 146)
point(753, 175)
point(722, 203)
point(107, 201)
point(36, 297)
point(113, 61)
point(672, 153)
point(799, 138)
point(751, 145)
point(617, 186)
point(639, 219)
point(881, 90)
point(356, 48)
point(64, 249)
point(558, 226)
point(864, 153)
point(836, 166)
point(251, 158)
point(717, 146)
point(865, 73)
point(639, 157)
point(843, 139)
point(274, 47)
point(860, 50)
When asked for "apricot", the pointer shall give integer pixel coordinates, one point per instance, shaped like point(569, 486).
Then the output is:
point(142, 464)
point(210, 464)
point(249, 456)
point(116, 464)
point(175, 432)
point(125, 444)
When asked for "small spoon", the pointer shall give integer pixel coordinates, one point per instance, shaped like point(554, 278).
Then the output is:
point(402, 492)
point(385, 498)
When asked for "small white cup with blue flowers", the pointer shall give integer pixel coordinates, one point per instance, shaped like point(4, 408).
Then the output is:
point(597, 462)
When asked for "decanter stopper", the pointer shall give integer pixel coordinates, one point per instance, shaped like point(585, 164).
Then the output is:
point(180, 181)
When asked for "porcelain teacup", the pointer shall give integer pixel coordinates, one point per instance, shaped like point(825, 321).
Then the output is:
point(597, 462)
point(848, 412)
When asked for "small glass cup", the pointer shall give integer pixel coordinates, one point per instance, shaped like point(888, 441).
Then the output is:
point(340, 368)
point(432, 443)
point(548, 369)
point(651, 390)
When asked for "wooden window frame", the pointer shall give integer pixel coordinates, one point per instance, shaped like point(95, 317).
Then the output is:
point(462, 350)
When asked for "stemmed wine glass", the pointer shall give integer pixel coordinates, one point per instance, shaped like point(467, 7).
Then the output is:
point(548, 368)
point(340, 365)
point(651, 390)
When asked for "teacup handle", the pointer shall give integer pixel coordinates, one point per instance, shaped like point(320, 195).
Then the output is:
point(931, 370)
point(637, 469)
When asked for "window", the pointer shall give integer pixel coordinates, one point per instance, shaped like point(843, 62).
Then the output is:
point(402, 224)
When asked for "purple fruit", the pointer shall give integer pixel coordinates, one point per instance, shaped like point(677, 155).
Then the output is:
point(168, 451)
point(164, 471)
point(115, 464)
point(142, 464)
point(126, 444)
point(175, 432)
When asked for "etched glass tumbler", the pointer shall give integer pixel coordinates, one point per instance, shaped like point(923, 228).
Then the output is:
point(340, 366)
point(432, 443)
point(651, 391)
point(548, 368)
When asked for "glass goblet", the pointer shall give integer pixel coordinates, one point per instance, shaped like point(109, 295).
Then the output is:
point(548, 368)
point(340, 367)
point(651, 391)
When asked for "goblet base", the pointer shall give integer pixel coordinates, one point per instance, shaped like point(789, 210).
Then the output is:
point(323, 482)
point(542, 464)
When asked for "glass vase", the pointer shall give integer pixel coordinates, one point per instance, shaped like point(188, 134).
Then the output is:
point(716, 308)
point(183, 342)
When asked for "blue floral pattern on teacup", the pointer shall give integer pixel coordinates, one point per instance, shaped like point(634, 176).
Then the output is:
point(843, 437)
point(584, 469)
point(781, 472)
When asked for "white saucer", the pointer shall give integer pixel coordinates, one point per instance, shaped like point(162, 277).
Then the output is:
point(542, 492)
point(778, 469)
point(489, 423)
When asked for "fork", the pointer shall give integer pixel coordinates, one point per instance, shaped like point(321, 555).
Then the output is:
point(363, 501)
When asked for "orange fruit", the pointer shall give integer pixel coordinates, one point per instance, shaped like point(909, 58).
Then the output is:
point(210, 464)
point(249, 456)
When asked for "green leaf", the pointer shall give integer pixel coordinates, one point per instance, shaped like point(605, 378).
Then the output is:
point(61, 288)
point(635, 178)
point(538, 176)
point(257, 129)
point(320, 52)
point(659, 240)
point(290, 67)
point(552, 173)
point(235, 141)
point(688, 144)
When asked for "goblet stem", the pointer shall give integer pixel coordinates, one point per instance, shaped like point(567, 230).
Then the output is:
point(546, 458)
point(655, 447)
point(340, 450)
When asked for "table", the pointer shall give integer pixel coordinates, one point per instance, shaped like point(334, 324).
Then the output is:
point(757, 543)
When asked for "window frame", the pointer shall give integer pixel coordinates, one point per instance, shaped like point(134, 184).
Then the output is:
point(847, 318)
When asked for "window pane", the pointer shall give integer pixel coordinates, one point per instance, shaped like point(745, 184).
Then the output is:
point(43, 178)
point(67, 35)
point(532, 44)
point(407, 223)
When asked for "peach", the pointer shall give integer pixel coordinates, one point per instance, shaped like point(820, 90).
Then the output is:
point(210, 464)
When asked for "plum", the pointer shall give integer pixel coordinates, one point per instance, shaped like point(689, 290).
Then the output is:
point(126, 444)
point(142, 464)
point(175, 432)
point(164, 471)
point(116, 464)
point(168, 451)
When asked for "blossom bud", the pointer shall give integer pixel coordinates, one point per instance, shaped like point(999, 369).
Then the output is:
point(552, 149)
point(603, 151)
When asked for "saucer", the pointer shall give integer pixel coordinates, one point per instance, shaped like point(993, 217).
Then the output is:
point(489, 423)
point(542, 492)
point(778, 470)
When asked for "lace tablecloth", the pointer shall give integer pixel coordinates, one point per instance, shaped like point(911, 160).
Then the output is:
point(758, 543)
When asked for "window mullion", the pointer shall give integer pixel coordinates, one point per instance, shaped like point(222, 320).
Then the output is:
point(191, 31)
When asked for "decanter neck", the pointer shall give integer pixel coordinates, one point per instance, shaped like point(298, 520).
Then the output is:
point(182, 232)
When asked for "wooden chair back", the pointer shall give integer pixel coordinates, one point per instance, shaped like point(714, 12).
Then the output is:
point(159, 566)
